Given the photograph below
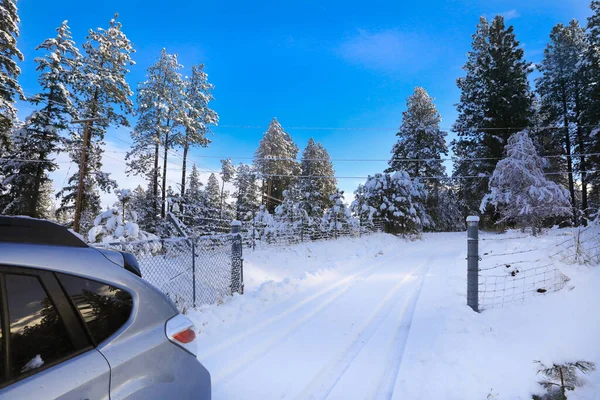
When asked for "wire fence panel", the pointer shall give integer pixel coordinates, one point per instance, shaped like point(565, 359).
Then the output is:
point(515, 273)
point(190, 271)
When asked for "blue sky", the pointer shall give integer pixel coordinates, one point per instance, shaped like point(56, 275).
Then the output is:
point(317, 64)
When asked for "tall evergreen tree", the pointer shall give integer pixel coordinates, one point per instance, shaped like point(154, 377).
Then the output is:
point(227, 175)
point(212, 193)
point(275, 160)
point(160, 106)
point(317, 183)
point(198, 118)
point(592, 114)
point(10, 90)
point(42, 129)
point(495, 100)
point(102, 92)
point(562, 88)
point(247, 192)
point(420, 138)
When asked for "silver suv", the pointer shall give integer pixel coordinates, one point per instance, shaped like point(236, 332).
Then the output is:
point(79, 323)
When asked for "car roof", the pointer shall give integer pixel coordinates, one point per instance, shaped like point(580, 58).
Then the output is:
point(17, 229)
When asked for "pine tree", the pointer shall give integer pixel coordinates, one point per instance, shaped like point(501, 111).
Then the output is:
point(420, 138)
point(317, 183)
point(246, 194)
point(161, 110)
point(562, 90)
point(142, 205)
point(212, 194)
point(197, 121)
point(275, 160)
point(495, 99)
point(592, 112)
point(227, 175)
point(519, 190)
point(338, 217)
point(102, 92)
point(10, 90)
point(288, 214)
point(41, 136)
point(396, 199)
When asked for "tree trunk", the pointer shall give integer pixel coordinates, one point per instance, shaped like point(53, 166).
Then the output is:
point(39, 171)
point(186, 147)
point(569, 158)
point(163, 212)
point(155, 176)
point(222, 195)
point(582, 160)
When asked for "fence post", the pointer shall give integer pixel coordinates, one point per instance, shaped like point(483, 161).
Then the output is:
point(237, 264)
point(473, 262)
point(193, 272)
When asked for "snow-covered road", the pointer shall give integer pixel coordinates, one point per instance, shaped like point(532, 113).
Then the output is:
point(340, 335)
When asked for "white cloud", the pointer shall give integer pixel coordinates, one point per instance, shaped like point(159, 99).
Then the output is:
point(508, 15)
point(387, 50)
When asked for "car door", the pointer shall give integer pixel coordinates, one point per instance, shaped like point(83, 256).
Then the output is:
point(45, 350)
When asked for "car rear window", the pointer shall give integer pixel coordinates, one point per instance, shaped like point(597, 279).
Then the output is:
point(38, 336)
point(104, 308)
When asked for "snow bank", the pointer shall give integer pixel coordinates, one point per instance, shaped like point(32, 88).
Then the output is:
point(465, 355)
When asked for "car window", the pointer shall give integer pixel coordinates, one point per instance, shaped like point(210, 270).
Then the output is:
point(37, 335)
point(104, 308)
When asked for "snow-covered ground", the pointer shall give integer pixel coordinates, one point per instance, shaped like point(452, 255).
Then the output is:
point(380, 317)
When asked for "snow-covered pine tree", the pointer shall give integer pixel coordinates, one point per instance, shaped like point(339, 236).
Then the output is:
point(161, 110)
point(10, 90)
point(142, 205)
point(41, 131)
point(449, 213)
point(102, 92)
point(396, 199)
point(519, 190)
point(212, 193)
point(199, 117)
point(247, 192)
point(317, 183)
point(562, 90)
point(288, 215)
point(338, 218)
point(420, 138)
point(495, 99)
point(592, 114)
point(227, 175)
point(275, 160)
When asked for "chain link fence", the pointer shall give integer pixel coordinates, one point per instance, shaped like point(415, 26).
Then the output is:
point(191, 271)
point(257, 235)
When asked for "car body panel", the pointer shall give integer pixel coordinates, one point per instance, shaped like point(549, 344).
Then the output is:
point(86, 376)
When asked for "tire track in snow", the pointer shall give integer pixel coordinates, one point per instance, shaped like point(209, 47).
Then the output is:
point(348, 281)
point(323, 299)
point(385, 388)
point(328, 377)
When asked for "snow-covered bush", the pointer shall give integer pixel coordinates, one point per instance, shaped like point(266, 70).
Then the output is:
point(396, 199)
point(519, 190)
point(338, 217)
point(119, 224)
